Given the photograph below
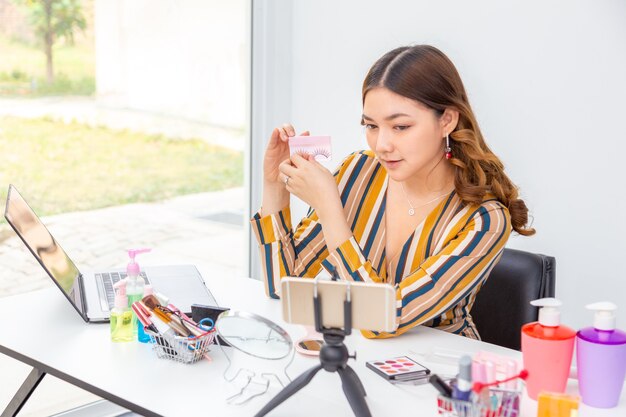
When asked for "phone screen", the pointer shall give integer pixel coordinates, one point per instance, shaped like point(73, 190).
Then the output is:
point(314, 345)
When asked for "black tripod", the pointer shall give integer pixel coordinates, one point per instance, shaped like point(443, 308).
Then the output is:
point(333, 358)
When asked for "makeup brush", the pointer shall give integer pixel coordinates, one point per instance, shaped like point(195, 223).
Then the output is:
point(151, 301)
point(153, 304)
point(167, 318)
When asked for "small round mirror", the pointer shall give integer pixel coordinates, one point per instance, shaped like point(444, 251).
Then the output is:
point(253, 334)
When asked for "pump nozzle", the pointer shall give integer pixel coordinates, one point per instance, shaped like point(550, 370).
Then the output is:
point(132, 269)
point(121, 299)
point(120, 287)
point(549, 314)
point(134, 252)
point(604, 318)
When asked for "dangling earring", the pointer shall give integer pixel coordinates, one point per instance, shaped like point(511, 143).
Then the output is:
point(448, 148)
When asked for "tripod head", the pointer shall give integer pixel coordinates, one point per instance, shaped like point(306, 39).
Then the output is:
point(334, 353)
point(347, 312)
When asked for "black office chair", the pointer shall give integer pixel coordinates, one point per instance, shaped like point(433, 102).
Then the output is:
point(502, 305)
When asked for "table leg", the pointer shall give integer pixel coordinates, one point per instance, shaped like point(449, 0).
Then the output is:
point(23, 394)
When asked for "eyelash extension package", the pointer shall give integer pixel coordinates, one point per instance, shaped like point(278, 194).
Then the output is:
point(317, 146)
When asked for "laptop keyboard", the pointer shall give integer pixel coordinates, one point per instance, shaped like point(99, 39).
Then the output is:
point(110, 279)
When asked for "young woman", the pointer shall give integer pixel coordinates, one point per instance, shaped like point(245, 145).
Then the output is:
point(428, 208)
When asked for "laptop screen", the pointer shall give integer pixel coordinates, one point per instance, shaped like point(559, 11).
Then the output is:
point(44, 247)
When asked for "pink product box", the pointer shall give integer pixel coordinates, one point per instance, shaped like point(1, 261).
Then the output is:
point(317, 146)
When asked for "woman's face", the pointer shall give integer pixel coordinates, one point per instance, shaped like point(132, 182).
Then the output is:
point(406, 136)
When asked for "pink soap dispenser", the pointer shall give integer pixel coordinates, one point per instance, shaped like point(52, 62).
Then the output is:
point(547, 348)
point(601, 358)
point(134, 283)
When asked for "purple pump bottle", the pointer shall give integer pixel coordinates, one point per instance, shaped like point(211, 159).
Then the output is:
point(601, 358)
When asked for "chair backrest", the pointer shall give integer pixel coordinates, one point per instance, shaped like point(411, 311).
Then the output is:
point(502, 305)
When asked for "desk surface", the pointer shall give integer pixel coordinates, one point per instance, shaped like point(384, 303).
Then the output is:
point(43, 329)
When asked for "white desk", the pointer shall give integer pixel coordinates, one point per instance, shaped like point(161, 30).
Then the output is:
point(43, 330)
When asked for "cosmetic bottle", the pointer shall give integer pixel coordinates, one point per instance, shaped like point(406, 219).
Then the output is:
point(135, 283)
point(601, 358)
point(121, 315)
point(547, 348)
point(142, 336)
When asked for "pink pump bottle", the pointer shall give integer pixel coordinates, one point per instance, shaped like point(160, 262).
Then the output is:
point(547, 348)
point(601, 358)
point(135, 284)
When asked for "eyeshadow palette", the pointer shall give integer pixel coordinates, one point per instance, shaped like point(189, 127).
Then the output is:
point(317, 146)
point(401, 368)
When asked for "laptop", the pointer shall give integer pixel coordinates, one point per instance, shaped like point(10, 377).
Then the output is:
point(92, 294)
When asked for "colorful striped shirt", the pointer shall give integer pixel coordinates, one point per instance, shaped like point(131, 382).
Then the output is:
point(438, 272)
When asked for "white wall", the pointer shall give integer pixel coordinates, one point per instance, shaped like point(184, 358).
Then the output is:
point(187, 58)
point(547, 81)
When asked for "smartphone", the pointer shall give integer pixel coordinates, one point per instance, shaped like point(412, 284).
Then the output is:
point(313, 345)
point(373, 304)
point(309, 347)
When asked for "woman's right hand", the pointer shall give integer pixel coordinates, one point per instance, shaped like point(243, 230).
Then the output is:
point(277, 151)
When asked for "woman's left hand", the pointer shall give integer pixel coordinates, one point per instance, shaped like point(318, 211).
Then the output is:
point(309, 181)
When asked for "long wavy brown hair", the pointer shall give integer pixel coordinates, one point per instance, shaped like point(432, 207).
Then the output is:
point(426, 74)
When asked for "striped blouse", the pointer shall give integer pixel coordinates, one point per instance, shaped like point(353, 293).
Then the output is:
point(440, 268)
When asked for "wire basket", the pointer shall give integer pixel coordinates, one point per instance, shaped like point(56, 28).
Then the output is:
point(180, 348)
point(502, 403)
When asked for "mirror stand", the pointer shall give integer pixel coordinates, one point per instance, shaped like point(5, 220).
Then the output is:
point(260, 339)
point(263, 380)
